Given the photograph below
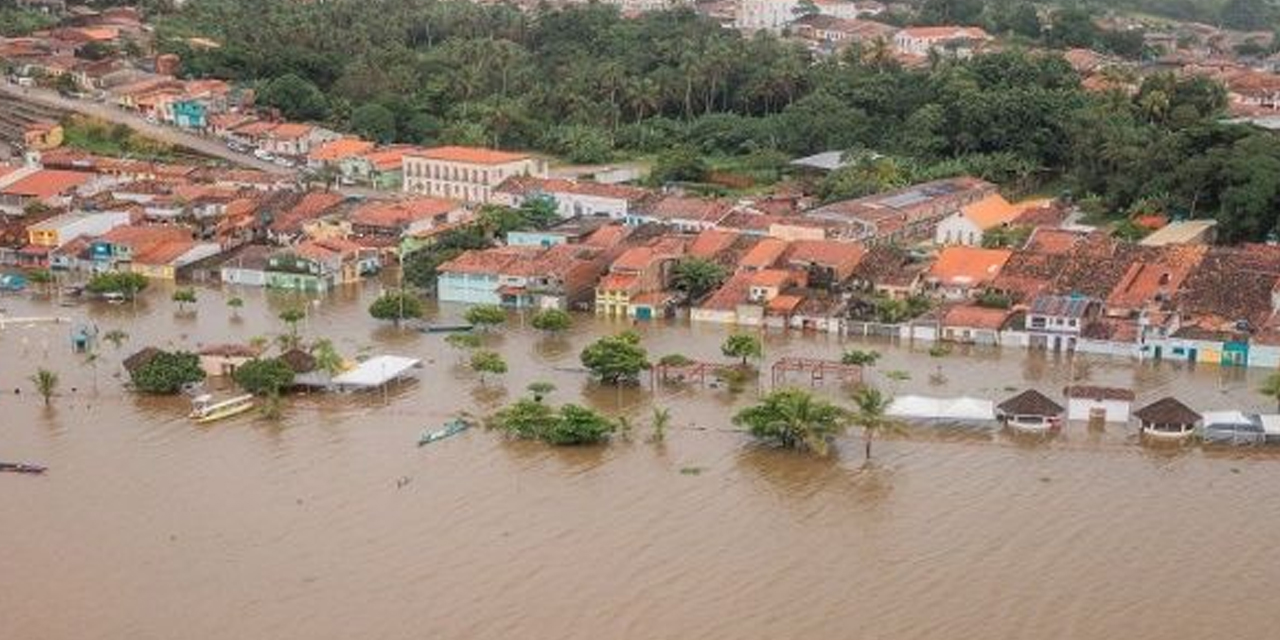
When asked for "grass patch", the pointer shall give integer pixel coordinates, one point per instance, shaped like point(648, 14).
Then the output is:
point(113, 140)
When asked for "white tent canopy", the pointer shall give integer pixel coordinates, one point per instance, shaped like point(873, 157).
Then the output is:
point(926, 408)
point(375, 372)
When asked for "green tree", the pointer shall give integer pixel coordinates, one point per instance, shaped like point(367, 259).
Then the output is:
point(552, 320)
point(291, 317)
point(486, 362)
point(235, 304)
point(569, 425)
point(327, 357)
point(463, 341)
point(616, 359)
point(1271, 388)
point(486, 316)
point(540, 389)
point(660, 421)
point(42, 278)
point(116, 337)
point(167, 373)
point(794, 419)
point(679, 164)
point(374, 122)
point(295, 97)
point(697, 277)
point(396, 306)
point(125, 284)
point(46, 383)
point(184, 296)
point(870, 407)
point(264, 376)
point(743, 346)
point(860, 358)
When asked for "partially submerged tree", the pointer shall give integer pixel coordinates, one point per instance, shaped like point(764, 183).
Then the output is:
point(794, 419)
point(235, 304)
point(616, 359)
point(870, 407)
point(486, 362)
point(552, 320)
point(46, 383)
point(860, 358)
point(264, 376)
point(327, 357)
point(167, 373)
point(1271, 388)
point(569, 425)
point(116, 337)
point(743, 346)
point(291, 318)
point(184, 296)
point(540, 389)
point(396, 306)
point(660, 421)
point(486, 316)
point(125, 284)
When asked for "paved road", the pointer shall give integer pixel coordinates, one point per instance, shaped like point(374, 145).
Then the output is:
point(205, 146)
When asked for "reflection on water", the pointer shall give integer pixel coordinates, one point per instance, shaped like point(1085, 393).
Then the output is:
point(332, 523)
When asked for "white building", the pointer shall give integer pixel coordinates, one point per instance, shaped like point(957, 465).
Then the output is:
point(59, 230)
point(571, 197)
point(773, 15)
point(968, 225)
point(465, 173)
point(957, 41)
point(1087, 403)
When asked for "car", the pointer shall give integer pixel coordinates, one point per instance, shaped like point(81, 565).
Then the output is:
point(263, 154)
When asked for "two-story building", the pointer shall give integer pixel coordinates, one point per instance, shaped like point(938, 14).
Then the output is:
point(469, 174)
point(571, 197)
point(1055, 323)
point(59, 230)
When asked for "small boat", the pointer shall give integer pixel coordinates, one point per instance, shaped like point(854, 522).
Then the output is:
point(204, 410)
point(451, 428)
point(18, 467)
point(445, 328)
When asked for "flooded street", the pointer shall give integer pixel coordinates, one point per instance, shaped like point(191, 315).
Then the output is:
point(149, 527)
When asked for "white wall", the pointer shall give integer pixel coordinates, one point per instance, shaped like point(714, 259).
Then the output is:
point(1079, 408)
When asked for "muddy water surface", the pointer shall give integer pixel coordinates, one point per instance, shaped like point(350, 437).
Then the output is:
point(150, 527)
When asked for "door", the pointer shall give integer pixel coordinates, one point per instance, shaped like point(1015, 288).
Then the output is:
point(644, 313)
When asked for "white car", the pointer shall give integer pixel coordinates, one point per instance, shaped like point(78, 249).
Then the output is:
point(263, 154)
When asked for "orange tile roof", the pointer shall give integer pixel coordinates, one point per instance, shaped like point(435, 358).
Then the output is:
point(841, 256)
point(634, 259)
point(312, 205)
point(162, 253)
point(784, 303)
point(991, 211)
point(606, 236)
point(968, 265)
point(975, 317)
point(291, 131)
point(1053, 241)
point(339, 149)
point(711, 242)
point(765, 254)
point(771, 278)
point(469, 155)
point(138, 235)
point(619, 282)
point(47, 183)
point(390, 158)
point(402, 212)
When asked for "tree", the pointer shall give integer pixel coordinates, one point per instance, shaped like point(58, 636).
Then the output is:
point(116, 337)
point(486, 316)
point(374, 122)
point(540, 389)
point(679, 164)
point(860, 358)
point(46, 383)
point(552, 320)
point(567, 426)
point(616, 359)
point(264, 376)
point(869, 414)
point(794, 419)
point(41, 277)
point(292, 317)
point(1271, 388)
point(235, 304)
point(396, 306)
point(327, 357)
point(744, 346)
point(697, 277)
point(660, 421)
point(184, 296)
point(486, 362)
point(167, 373)
point(463, 341)
point(125, 284)
point(295, 97)
point(805, 8)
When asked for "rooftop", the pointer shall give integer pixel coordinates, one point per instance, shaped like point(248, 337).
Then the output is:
point(335, 150)
point(1167, 411)
point(991, 211)
point(968, 266)
point(469, 155)
point(47, 183)
point(1030, 403)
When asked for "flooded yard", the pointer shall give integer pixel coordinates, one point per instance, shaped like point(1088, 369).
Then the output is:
point(331, 523)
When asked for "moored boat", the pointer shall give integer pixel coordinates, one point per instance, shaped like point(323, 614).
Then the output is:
point(204, 410)
point(451, 428)
point(18, 467)
point(445, 328)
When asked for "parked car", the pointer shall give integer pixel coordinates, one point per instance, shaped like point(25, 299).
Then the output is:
point(262, 154)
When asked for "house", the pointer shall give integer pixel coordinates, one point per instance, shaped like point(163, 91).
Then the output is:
point(1098, 404)
point(247, 266)
point(572, 198)
point(636, 284)
point(469, 174)
point(772, 15)
point(1056, 322)
point(292, 139)
point(223, 359)
point(1182, 232)
point(968, 225)
point(561, 276)
point(972, 324)
point(1167, 419)
point(380, 169)
point(333, 152)
point(45, 186)
point(162, 261)
point(765, 254)
point(42, 135)
point(890, 272)
point(313, 205)
point(903, 215)
point(316, 266)
point(576, 230)
point(397, 218)
point(952, 41)
point(960, 271)
point(828, 264)
point(62, 229)
point(829, 33)
point(118, 248)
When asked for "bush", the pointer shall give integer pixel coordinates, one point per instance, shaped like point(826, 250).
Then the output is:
point(396, 306)
point(569, 425)
point(552, 320)
point(616, 359)
point(264, 377)
point(167, 373)
point(129, 284)
point(486, 315)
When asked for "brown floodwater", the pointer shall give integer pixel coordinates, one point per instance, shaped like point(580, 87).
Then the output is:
point(149, 527)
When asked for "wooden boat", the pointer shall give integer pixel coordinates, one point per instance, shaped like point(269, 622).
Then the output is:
point(445, 328)
point(451, 428)
point(204, 410)
point(18, 467)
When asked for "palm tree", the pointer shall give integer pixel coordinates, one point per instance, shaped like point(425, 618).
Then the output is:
point(116, 337)
point(46, 383)
point(870, 414)
point(795, 419)
point(661, 419)
point(1271, 387)
point(327, 357)
point(292, 317)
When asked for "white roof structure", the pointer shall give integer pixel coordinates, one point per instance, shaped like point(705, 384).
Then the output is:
point(957, 409)
point(1270, 424)
point(375, 372)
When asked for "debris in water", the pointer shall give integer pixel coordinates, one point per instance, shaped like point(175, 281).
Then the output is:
point(691, 471)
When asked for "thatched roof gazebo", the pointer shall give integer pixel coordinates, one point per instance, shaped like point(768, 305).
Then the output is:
point(1167, 419)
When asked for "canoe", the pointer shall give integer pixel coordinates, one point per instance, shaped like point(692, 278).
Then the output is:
point(451, 428)
point(17, 467)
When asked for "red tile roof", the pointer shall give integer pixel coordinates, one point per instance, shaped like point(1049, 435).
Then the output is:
point(469, 155)
point(968, 266)
point(765, 254)
point(341, 148)
point(47, 183)
point(402, 213)
point(975, 317)
point(313, 204)
point(711, 242)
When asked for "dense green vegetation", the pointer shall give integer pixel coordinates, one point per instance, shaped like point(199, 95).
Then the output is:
point(396, 306)
point(167, 373)
point(16, 22)
point(582, 82)
point(264, 376)
point(103, 138)
point(126, 284)
point(567, 425)
point(616, 359)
